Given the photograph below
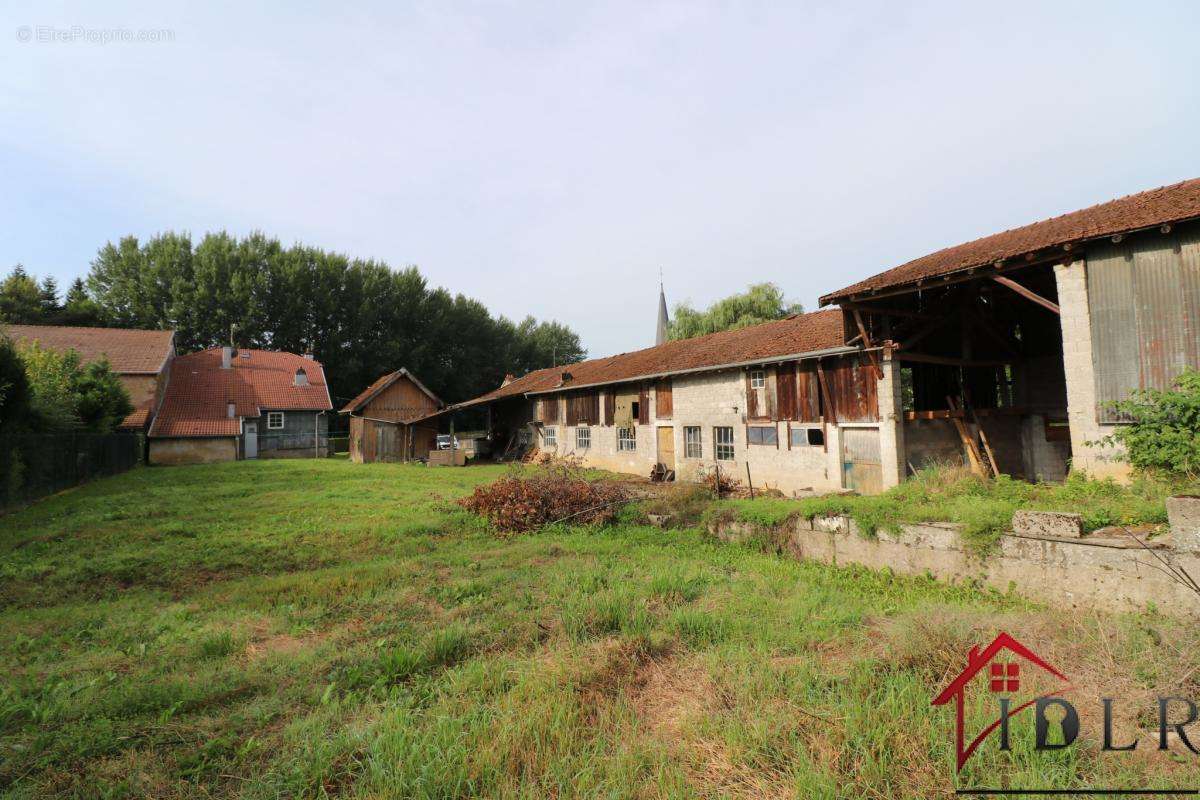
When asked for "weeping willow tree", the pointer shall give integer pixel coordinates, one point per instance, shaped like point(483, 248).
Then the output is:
point(761, 302)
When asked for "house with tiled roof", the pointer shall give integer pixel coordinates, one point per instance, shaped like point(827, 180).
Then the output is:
point(771, 404)
point(141, 359)
point(393, 419)
point(223, 404)
point(1012, 349)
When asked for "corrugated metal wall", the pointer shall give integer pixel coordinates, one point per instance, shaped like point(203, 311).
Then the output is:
point(1144, 298)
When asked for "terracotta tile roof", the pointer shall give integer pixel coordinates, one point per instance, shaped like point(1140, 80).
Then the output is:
point(1167, 204)
point(803, 333)
point(139, 417)
point(130, 352)
point(199, 389)
point(382, 383)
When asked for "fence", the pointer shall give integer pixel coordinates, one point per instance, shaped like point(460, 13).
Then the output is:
point(34, 465)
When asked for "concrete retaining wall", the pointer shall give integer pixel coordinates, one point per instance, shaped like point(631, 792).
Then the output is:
point(1108, 573)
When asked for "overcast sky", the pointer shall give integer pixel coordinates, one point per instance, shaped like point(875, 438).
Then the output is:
point(550, 158)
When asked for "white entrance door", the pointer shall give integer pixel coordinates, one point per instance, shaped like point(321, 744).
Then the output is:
point(251, 431)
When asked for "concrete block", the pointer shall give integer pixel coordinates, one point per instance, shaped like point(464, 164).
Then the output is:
point(1183, 513)
point(1056, 524)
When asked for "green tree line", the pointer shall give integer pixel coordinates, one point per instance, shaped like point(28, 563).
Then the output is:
point(360, 318)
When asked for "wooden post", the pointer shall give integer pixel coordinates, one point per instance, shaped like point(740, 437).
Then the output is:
point(749, 481)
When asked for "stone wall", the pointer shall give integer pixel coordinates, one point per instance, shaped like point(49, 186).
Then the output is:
point(1109, 573)
point(1075, 318)
point(707, 401)
point(193, 451)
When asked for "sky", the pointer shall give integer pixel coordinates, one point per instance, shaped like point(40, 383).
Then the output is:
point(551, 158)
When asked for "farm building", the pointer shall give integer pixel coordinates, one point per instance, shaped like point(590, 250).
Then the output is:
point(1011, 349)
point(141, 359)
point(1003, 354)
point(390, 420)
point(224, 404)
point(788, 399)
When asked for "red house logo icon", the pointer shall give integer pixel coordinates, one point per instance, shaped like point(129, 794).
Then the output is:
point(999, 664)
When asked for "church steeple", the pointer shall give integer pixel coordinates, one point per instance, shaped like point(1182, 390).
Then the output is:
point(660, 335)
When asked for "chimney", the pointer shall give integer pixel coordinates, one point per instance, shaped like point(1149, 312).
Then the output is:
point(230, 409)
point(508, 378)
point(226, 357)
point(301, 377)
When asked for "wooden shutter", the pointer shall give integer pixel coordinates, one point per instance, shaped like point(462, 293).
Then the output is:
point(785, 391)
point(663, 402)
point(643, 405)
point(751, 399)
point(610, 405)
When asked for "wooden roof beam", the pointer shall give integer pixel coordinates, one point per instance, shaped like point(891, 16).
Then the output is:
point(1027, 293)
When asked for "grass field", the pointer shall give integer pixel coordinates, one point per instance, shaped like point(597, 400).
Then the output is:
point(313, 629)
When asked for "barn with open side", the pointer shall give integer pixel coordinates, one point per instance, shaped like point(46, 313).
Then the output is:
point(393, 419)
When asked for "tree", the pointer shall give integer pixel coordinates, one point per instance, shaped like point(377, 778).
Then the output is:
point(761, 302)
point(65, 395)
point(48, 292)
point(101, 402)
point(79, 308)
point(14, 388)
point(20, 298)
point(360, 318)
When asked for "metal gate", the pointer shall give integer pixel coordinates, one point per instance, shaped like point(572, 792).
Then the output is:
point(862, 468)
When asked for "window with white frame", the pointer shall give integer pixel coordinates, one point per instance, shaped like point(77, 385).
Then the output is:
point(549, 436)
point(691, 442)
point(583, 438)
point(274, 420)
point(758, 379)
point(723, 443)
point(626, 439)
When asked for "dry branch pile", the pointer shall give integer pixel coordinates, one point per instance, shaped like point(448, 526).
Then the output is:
point(515, 504)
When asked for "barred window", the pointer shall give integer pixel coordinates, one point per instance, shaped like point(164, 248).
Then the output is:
point(691, 442)
point(723, 443)
point(583, 438)
point(550, 436)
point(758, 379)
point(763, 434)
point(626, 440)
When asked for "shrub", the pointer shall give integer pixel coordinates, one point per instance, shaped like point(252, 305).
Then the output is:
point(1164, 429)
point(516, 503)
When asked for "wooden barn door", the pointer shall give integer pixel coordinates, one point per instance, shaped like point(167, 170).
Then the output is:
point(862, 467)
point(666, 447)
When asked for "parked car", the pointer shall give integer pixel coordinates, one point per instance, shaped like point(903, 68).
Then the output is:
point(443, 442)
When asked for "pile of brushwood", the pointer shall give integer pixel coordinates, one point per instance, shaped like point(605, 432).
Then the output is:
point(524, 501)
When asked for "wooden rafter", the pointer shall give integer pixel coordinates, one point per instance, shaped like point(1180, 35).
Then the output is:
point(948, 361)
point(1027, 293)
point(891, 312)
point(866, 339)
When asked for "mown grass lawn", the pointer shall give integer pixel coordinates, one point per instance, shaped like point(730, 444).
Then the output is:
point(312, 629)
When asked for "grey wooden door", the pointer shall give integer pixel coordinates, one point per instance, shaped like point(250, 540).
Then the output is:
point(862, 468)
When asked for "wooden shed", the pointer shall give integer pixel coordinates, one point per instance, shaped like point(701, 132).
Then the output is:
point(393, 419)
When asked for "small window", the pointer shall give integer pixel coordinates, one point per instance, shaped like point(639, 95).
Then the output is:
point(626, 440)
point(583, 438)
point(550, 437)
point(691, 442)
point(635, 411)
point(723, 443)
point(758, 379)
point(763, 434)
point(808, 437)
point(274, 420)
